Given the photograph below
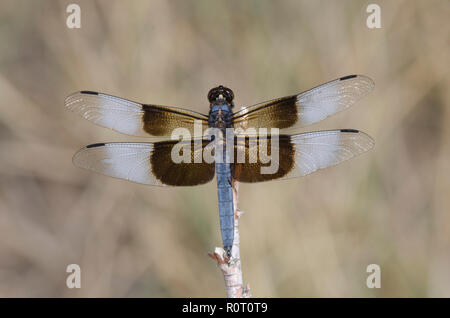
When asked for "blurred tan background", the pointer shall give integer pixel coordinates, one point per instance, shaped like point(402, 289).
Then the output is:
point(312, 236)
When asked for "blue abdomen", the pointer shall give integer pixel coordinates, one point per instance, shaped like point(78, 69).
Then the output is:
point(226, 207)
point(220, 117)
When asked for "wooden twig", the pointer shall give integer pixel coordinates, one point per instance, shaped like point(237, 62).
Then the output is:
point(231, 268)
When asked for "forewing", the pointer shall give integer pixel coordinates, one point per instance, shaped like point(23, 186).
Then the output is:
point(133, 118)
point(305, 108)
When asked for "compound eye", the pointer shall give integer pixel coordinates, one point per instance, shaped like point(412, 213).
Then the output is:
point(212, 95)
point(229, 95)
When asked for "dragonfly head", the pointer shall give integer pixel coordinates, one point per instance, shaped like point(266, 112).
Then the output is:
point(221, 94)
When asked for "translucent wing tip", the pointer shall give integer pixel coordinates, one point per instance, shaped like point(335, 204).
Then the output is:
point(79, 158)
point(360, 138)
point(71, 101)
point(367, 83)
point(370, 82)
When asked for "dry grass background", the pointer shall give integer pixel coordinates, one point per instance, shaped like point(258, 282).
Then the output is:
point(312, 236)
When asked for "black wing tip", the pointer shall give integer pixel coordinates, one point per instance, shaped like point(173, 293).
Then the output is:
point(350, 131)
point(347, 77)
point(89, 92)
point(100, 144)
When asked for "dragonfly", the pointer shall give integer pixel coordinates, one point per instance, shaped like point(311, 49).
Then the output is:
point(152, 163)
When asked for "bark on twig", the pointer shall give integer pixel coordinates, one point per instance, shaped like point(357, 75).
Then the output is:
point(231, 268)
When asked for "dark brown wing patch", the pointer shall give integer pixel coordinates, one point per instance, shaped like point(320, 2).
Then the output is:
point(279, 113)
point(180, 174)
point(251, 171)
point(161, 121)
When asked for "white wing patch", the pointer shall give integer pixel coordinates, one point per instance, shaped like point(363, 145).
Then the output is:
point(129, 161)
point(116, 113)
point(332, 97)
point(318, 150)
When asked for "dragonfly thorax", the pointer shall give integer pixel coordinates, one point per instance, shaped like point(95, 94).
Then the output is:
point(220, 115)
point(221, 104)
